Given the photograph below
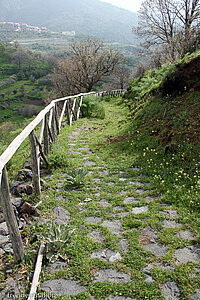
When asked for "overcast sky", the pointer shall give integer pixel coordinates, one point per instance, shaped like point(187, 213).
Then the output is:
point(132, 5)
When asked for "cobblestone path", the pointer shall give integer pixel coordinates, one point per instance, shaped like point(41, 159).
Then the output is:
point(128, 243)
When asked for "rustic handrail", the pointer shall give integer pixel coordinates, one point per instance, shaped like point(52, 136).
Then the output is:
point(51, 121)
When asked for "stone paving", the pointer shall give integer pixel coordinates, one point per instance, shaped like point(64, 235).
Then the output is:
point(135, 206)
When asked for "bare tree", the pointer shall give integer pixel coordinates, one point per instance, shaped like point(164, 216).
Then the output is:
point(90, 61)
point(172, 23)
point(121, 77)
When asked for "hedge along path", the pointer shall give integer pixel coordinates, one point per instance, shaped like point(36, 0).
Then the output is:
point(50, 122)
point(128, 244)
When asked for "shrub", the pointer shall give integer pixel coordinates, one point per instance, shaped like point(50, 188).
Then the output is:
point(29, 110)
point(57, 158)
point(92, 107)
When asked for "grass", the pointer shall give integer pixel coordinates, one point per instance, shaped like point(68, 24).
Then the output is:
point(117, 144)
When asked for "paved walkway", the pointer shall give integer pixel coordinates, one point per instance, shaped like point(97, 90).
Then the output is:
point(128, 245)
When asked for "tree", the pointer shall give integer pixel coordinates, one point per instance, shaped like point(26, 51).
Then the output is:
point(170, 23)
point(89, 62)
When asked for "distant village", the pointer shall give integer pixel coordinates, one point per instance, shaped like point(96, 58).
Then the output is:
point(29, 28)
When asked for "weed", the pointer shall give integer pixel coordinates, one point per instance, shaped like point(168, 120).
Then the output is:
point(75, 177)
point(56, 238)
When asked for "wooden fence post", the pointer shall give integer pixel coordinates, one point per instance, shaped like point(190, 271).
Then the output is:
point(10, 218)
point(57, 118)
point(46, 136)
point(79, 107)
point(35, 163)
point(53, 129)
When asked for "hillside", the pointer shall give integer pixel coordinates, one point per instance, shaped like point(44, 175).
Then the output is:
point(88, 17)
point(164, 107)
point(24, 83)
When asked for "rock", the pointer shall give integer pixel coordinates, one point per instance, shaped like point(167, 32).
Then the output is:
point(60, 198)
point(28, 165)
point(86, 148)
point(135, 183)
point(156, 249)
point(3, 229)
point(123, 245)
point(122, 193)
point(118, 208)
point(17, 202)
point(123, 179)
point(113, 276)
point(149, 279)
point(140, 210)
point(135, 169)
point(96, 236)
point(2, 219)
point(4, 239)
point(87, 200)
point(104, 172)
point(106, 255)
point(88, 163)
point(170, 224)
point(121, 172)
point(24, 175)
point(98, 180)
point(196, 295)
point(8, 248)
point(104, 203)
point(185, 255)
point(149, 198)
point(2, 252)
point(170, 291)
point(164, 267)
point(122, 214)
point(43, 221)
point(114, 226)
point(62, 287)
point(148, 236)
point(129, 200)
point(19, 188)
point(140, 192)
point(62, 216)
point(147, 269)
point(118, 298)
point(93, 220)
point(10, 284)
point(59, 265)
point(186, 235)
point(170, 212)
point(60, 185)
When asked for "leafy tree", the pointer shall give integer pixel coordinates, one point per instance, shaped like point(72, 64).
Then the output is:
point(90, 61)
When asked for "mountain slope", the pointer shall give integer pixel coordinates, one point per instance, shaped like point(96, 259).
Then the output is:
point(88, 17)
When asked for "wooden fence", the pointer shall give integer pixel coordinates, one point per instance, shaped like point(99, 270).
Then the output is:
point(50, 121)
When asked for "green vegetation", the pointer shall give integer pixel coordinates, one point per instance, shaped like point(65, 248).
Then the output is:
point(92, 107)
point(146, 85)
point(22, 85)
point(165, 131)
point(146, 153)
point(56, 238)
point(75, 178)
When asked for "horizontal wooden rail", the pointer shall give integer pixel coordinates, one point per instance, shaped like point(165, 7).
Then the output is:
point(50, 121)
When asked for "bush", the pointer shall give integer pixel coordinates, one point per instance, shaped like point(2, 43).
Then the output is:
point(57, 158)
point(29, 110)
point(92, 107)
